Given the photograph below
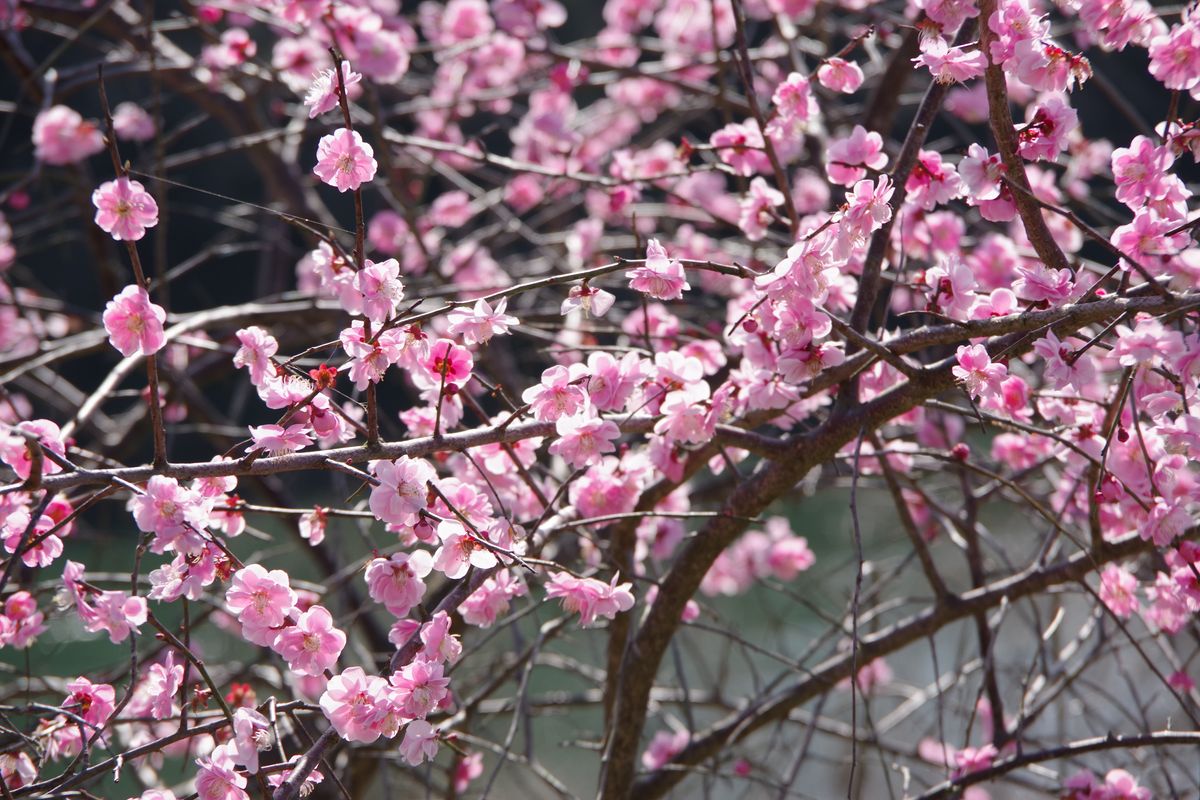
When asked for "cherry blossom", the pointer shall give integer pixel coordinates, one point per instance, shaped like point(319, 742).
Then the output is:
point(134, 324)
point(312, 645)
point(125, 209)
point(588, 597)
point(344, 160)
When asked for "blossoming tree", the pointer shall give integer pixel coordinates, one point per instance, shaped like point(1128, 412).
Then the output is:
point(374, 370)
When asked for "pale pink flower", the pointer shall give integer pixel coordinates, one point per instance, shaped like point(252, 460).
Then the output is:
point(61, 136)
point(950, 64)
point(344, 160)
point(421, 687)
point(491, 599)
point(1141, 171)
point(439, 643)
point(93, 702)
point(1175, 56)
point(420, 742)
point(976, 371)
point(256, 352)
point(840, 75)
point(134, 324)
point(593, 301)
point(557, 395)
point(217, 778)
point(323, 94)
point(378, 284)
point(482, 322)
point(313, 644)
point(17, 770)
point(355, 704)
point(125, 209)
point(275, 439)
point(15, 452)
point(460, 550)
point(312, 525)
point(663, 747)
point(468, 769)
point(584, 437)
point(847, 157)
point(397, 582)
point(1118, 590)
point(162, 683)
point(174, 513)
point(1165, 523)
point(115, 612)
point(756, 209)
point(589, 597)
point(275, 779)
point(402, 489)
point(132, 122)
point(261, 601)
point(741, 146)
point(659, 276)
point(251, 733)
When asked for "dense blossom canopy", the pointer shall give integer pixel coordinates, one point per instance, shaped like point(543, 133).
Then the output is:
point(544, 325)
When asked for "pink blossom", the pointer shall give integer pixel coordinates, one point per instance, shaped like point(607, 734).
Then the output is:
point(312, 645)
point(356, 704)
point(741, 146)
point(482, 322)
point(312, 525)
point(344, 160)
point(261, 601)
point(61, 136)
point(439, 643)
point(420, 742)
point(949, 64)
point(756, 209)
point(380, 289)
point(847, 157)
point(1140, 171)
point(932, 182)
point(1049, 122)
point(323, 94)
point(449, 362)
point(24, 623)
point(217, 778)
point(557, 395)
point(460, 551)
point(663, 747)
point(1118, 590)
point(1041, 284)
point(15, 447)
point(125, 209)
point(594, 301)
point(839, 75)
point(275, 779)
point(17, 770)
point(1165, 523)
point(94, 702)
point(584, 437)
point(257, 349)
point(976, 371)
point(420, 686)
point(1175, 56)
point(276, 439)
point(251, 733)
point(659, 276)
point(589, 597)
point(468, 769)
point(134, 324)
point(163, 681)
point(115, 612)
point(402, 489)
point(175, 515)
point(396, 582)
point(132, 122)
point(491, 599)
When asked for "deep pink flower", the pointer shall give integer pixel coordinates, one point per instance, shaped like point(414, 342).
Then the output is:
point(344, 160)
point(449, 361)
point(134, 324)
point(125, 209)
point(847, 157)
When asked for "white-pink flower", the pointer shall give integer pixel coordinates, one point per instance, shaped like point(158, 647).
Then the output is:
point(589, 597)
point(402, 490)
point(481, 323)
point(460, 551)
point(659, 276)
point(323, 94)
point(397, 582)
